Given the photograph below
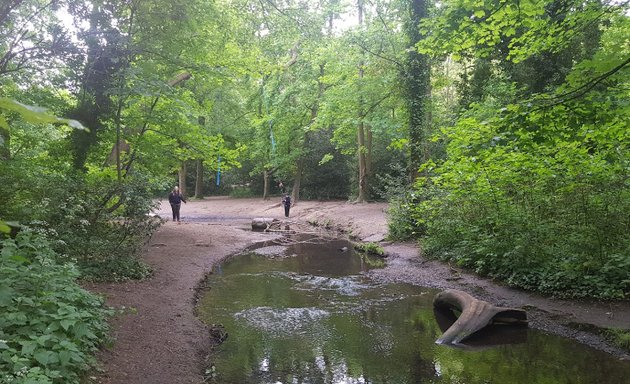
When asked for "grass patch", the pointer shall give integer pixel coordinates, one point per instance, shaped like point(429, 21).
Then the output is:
point(370, 249)
point(619, 337)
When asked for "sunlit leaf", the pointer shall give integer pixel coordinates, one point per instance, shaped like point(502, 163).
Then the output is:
point(35, 114)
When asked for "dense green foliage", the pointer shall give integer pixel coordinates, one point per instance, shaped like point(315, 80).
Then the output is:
point(49, 327)
point(534, 185)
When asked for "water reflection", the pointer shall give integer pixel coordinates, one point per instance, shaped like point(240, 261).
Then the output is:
point(316, 318)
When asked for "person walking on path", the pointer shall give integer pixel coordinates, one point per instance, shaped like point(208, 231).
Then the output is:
point(176, 198)
point(286, 202)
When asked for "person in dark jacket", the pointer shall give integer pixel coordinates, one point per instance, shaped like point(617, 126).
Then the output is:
point(176, 198)
point(286, 202)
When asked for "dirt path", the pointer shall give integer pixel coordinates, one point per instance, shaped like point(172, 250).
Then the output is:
point(159, 340)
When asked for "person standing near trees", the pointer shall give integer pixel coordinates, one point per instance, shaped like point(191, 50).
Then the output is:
point(286, 202)
point(176, 198)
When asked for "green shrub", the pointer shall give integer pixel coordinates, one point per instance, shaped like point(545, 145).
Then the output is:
point(401, 224)
point(370, 249)
point(93, 220)
point(538, 200)
point(49, 327)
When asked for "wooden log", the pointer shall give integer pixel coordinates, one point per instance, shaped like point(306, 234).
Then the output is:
point(475, 315)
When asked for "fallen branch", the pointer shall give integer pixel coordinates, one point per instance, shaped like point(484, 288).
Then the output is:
point(302, 233)
point(475, 315)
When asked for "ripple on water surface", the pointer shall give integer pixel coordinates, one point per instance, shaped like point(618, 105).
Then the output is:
point(283, 321)
point(349, 285)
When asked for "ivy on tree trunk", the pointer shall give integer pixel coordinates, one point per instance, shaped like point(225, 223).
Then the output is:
point(417, 80)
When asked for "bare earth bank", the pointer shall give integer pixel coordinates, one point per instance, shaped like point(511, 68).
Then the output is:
point(158, 339)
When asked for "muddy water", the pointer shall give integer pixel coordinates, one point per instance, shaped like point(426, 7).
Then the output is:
point(314, 317)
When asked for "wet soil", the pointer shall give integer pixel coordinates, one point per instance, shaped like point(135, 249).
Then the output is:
point(158, 339)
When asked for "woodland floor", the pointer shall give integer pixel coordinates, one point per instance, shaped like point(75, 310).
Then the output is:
point(158, 339)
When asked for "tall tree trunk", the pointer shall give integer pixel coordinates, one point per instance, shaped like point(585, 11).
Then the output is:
point(368, 153)
point(267, 173)
point(182, 178)
point(297, 182)
point(266, 176)
point(199, 180)
point(417, 80)
point(362, 196)
point(361, 148)
point(118, 137)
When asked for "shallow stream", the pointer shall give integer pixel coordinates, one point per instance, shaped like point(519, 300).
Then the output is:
point(312, 315)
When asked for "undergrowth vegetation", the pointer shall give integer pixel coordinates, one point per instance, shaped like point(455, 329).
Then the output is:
point(540, 212)
point(50, 327)
point(65, 229)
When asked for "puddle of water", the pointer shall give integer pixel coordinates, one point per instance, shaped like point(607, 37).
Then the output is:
point(316, 318)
